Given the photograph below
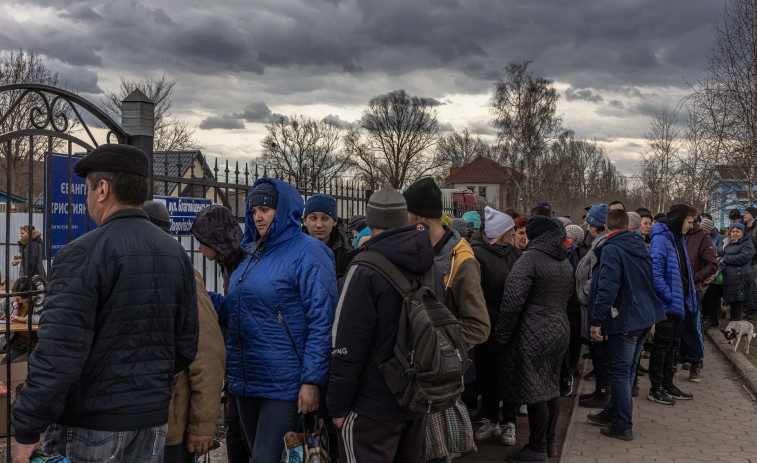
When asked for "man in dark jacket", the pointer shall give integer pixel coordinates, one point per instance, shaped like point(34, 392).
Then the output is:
point(704, 267)
point(321, 222)
point(120, 321)
point(623, 308)
point(674, 287)
point(373, 426)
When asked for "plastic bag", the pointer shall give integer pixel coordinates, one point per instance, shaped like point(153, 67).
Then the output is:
point(308, 445)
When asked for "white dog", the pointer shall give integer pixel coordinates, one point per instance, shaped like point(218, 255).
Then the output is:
point(735, 330)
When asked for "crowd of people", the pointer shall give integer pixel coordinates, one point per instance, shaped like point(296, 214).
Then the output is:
point(133, 353)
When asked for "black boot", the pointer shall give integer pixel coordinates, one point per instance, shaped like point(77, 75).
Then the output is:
point(600, 399)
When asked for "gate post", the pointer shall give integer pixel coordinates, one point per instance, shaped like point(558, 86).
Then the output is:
point(138, 120)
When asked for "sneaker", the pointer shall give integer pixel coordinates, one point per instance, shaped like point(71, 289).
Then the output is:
point(508, 434)
point(566, 386)
point(660, 396)
point(600, 399)
point(695, 374)
point(523, 410)
point(622, 435)
point(526, 454)
point(487, 430)
point(601, 418)
point(678, 394)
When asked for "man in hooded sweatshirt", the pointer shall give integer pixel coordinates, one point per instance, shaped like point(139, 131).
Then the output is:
point(374, 429)
point(623, 308)
point(674, 287)
point(454, 256)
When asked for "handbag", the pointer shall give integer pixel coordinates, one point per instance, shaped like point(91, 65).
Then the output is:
point(309, 444)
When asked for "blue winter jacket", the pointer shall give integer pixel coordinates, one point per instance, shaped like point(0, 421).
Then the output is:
point(622, 296)
point(290, 284)
point(667, 273)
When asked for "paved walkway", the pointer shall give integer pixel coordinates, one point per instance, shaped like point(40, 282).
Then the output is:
point(719, 425)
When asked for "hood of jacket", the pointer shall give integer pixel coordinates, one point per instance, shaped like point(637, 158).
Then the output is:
point(407, 247)
point(549, 243)
point(660, 228)
point(217, 228)
point(676, 217)
point(442, 258)
point(287, 222)
point(36, 236)
point(626, 240)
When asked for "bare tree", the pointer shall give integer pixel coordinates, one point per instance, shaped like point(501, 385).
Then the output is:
point(304, 150)
point(524, 109)
point(457, 149)
point(726, 103)
point(659, 164)
point(398, 131)
point(16, 68)
point(171, 133)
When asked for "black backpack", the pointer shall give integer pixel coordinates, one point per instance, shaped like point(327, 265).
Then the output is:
point(425, 374)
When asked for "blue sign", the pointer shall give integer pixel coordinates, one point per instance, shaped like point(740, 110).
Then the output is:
point(58, 208)
point(182, 211)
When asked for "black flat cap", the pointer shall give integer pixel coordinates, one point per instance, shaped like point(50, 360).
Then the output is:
point(125, 159)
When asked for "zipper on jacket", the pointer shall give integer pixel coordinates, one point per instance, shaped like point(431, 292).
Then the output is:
point(239, 312)
point(283, 321)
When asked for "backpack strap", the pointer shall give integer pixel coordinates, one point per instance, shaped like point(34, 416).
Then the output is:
point(386, 268)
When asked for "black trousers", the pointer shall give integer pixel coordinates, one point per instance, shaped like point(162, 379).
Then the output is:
point(667, 337)
point(600, 359)
point(365, 440)
point(711, 302)
point(178, 454)
point(542, 422)
point(487, 376)
point(574, 346)
point(736, 310)
point(237, 450)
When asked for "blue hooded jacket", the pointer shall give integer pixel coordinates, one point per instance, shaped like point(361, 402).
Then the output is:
point(623, 280)
point(667, 272)
point(290, 283)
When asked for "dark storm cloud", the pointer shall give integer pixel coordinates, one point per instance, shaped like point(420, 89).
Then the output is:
point(80, 12)
point(228, 122)
point(256, 111)
point(336, 121)
point(585, 94)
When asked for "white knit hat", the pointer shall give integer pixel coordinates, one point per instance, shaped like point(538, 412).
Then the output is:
point(496, 223)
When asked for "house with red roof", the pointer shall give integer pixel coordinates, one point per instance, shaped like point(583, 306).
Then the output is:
point(494, 184)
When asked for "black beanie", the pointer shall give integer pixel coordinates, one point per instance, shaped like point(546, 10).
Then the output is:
point(263, 194)
point(538, 225)
point(424, 198)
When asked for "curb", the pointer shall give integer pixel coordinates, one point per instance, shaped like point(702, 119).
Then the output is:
point(746, 369)
point(587, 366)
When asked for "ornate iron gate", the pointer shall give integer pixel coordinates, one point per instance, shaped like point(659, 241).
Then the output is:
point(35, 122)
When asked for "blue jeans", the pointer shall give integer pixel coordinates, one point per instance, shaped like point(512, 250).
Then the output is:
point(691, 333)
point(90, 445)
point(264, 423)
point(625, 349)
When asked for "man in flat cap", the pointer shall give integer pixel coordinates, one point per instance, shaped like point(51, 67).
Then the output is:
point(120, 320)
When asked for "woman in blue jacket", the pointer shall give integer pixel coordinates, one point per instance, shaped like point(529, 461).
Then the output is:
point(737, 274)
point(278, 312)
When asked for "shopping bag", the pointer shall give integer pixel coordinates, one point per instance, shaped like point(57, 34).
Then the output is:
point(309, 444)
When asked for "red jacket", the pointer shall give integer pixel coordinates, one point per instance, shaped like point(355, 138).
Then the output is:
point(702, 256)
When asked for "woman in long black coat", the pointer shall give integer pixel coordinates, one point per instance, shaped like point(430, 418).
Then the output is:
point(737, 274)
point(533, 327)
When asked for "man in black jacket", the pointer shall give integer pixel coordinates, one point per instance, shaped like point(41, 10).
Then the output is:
point(374, 429)
point(120, 321)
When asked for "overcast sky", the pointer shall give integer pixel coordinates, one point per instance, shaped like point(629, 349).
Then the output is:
point(613, 61)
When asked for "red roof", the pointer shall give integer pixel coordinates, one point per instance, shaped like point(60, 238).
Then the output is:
point(483, 170)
